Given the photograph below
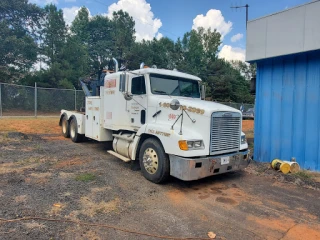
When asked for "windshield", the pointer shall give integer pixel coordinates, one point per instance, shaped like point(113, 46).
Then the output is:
point(174, 86)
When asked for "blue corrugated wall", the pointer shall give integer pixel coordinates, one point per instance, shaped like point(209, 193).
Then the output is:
point(287, 114)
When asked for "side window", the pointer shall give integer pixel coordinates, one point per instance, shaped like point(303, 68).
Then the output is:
point(138, 85)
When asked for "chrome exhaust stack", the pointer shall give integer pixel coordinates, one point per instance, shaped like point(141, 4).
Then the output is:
point(116, 64)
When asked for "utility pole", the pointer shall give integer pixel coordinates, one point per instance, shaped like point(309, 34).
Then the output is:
point(247, 9)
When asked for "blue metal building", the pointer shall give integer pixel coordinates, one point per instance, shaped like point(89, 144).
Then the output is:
point(286, 48)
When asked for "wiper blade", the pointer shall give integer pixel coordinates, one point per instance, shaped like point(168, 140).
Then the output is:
point(161, 92)
point(187, 95)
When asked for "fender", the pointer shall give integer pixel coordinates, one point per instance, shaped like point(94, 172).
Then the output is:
point(169, 140)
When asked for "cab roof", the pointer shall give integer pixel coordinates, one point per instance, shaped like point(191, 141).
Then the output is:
point(164, 72)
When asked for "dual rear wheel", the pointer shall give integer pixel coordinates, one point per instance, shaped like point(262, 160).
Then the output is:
point(70, 129)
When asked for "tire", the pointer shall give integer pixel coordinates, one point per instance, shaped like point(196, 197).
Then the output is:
point(74, 135)
point(65, 127)
point(154, 162)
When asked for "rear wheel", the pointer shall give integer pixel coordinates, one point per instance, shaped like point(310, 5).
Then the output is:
point(65, 127)
point(154, 161)
point(74, 135)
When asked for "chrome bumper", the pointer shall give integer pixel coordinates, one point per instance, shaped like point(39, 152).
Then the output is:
point(189, 169)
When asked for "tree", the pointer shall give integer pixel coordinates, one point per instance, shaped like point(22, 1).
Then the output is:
point(122, 35)
point(18, 49)
point(246, 69)
point(54, 33)
point(226, 83)
point(74, 60)
point(199, 48)
point(80, 25)
point(100, 42)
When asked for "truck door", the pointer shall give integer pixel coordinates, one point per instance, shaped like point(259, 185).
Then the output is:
point(138, 104)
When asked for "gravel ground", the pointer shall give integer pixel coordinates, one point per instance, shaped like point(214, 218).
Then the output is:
point(44, 175)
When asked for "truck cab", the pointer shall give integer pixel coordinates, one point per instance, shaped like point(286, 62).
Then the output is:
point(157, 117)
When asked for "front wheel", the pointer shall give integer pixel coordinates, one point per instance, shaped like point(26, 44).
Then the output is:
point(154, 162)
point(74, 135)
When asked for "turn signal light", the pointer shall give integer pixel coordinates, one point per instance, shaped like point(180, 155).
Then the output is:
point(183, 145)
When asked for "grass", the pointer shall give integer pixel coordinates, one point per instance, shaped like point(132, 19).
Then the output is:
point(85, 177)
point(29, 161)
point(303, 175)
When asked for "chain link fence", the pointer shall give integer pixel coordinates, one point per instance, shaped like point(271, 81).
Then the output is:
point(18, 101)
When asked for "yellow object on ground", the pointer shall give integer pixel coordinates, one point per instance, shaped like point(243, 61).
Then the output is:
point(294, 166)
point(277, 164)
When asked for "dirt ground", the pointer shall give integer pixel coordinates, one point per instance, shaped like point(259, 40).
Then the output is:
point(45, 176)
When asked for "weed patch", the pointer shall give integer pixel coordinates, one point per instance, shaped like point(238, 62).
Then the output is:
point(303, 175)
point(85, 177)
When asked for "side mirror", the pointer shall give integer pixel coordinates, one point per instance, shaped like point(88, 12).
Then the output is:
point(127, 96)
point(203, 92)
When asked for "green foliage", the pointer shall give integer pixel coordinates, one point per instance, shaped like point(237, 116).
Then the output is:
point(122, 35)
point(246, 69)
point(85, 177)
point(28, 34)
point(53, 33)
point(303, 175)
point(18, 51)
point(80, 25)
point(225, 83)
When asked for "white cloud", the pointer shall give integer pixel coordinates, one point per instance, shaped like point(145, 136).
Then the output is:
point(232, 53)
point(214, 20)
point(236, 37)
point(159, 36)
point(146, 25)
point(70, 0)
point(36, 66)
point(69, 14)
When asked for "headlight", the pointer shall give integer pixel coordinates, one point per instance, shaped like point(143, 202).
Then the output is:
point(191, 145)
point(243, 139)
point(197, 144)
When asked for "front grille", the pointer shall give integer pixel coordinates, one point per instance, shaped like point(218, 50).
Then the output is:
point(225, 132)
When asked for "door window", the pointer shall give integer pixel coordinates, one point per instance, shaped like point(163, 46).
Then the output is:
point(138, 85)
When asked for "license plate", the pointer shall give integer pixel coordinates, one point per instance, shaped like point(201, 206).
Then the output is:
point(225, 160)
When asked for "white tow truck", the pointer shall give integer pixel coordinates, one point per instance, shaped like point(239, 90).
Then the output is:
point(157, 117)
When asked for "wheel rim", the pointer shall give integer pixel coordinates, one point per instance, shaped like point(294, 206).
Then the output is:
point(150, 160)
point(72, 130)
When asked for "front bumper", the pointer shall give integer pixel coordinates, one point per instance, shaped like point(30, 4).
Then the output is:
point(188, 169)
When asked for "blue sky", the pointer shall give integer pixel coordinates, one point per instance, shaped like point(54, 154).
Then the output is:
point(172, 18)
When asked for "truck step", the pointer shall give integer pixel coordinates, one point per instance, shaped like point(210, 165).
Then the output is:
point(125, 159)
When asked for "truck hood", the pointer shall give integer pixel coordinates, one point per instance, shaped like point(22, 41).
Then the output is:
point(207, 106)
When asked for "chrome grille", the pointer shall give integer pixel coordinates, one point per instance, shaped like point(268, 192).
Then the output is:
point(225, 132)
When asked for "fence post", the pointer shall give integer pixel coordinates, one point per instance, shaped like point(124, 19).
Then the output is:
point(35, 99)
point(75, 99)
point(0, 101)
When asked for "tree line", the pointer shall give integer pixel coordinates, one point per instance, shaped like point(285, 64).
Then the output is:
point(30, 34)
